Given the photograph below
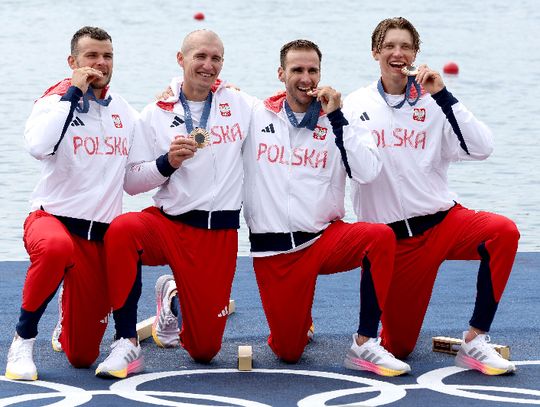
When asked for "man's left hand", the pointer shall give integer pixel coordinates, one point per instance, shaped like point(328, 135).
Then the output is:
point(429, 79)
point(330, 98)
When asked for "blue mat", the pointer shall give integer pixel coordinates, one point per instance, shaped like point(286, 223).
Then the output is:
point(172, 378)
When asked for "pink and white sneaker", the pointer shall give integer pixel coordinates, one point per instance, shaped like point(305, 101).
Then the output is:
point(371, 356)
point(125, 359)
point(478, 354)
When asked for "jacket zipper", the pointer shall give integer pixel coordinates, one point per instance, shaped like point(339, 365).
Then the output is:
point(398, 183)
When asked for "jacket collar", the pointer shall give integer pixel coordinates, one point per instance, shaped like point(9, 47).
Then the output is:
point(176, 86)
point(61, 88)
point(275, 103)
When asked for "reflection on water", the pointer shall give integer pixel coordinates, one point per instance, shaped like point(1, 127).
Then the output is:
point(494, 47)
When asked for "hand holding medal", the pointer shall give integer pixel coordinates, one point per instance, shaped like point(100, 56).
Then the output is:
point(200, 136)
point(429, 79)
point(181, 149)
point(330, 98)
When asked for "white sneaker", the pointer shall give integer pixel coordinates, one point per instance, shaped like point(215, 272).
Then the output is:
point(125, 359)
point(480, 355)
point(165, 328)
point(20, 363)
point(371, 356)
point(56, 345)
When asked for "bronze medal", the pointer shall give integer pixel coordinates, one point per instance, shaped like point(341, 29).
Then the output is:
point(409, 70)
point(201, 137)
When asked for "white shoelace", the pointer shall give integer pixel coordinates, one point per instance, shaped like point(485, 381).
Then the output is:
point(119, 346)
point(381, 349)
point(24, 351)
point(485, 347)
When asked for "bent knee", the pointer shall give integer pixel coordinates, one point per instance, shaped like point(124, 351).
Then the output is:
point(123, 231)
point(510, 231)
point(399, 350)
point(56, 248)
point(80, 360)
point(290, 357)
point(385, 232)
point(505, 234)
point(120, 224)
point(402, 352)
point(287, 353)
point(203, 354)
point(378, 232)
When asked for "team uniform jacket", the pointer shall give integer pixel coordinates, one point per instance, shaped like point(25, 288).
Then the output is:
point(83, 168)
point(295, 178)
point(211, 180)
point(417, 144)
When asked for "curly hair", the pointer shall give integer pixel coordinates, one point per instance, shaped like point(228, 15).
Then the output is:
point(400, 23)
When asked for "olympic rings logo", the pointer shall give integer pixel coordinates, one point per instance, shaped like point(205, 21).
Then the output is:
point(383, 392)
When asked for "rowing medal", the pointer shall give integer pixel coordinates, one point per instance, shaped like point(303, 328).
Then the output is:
point(199, 134)
point(201, 137)
point(409, 70)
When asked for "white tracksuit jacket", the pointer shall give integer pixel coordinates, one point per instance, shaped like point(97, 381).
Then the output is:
point(212, 179)
point(295, 178)
point(82, 171)
point(417, 144)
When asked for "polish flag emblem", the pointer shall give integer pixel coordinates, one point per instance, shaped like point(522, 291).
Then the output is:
point(419, 114)
point(117, 122)
point(224, 109)
point(320, 133)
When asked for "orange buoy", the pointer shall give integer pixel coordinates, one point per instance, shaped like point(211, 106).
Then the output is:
point(198, 16)
point(451, 68)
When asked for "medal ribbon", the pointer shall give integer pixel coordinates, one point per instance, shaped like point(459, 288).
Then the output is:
point(89, 95)
point(187, 113)
point(310, 118)
point(410, 82)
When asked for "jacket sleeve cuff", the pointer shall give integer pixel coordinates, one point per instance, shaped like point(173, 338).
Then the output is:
point(444, 98)
point(337, 119)
point(163, 165)
point(73, 94)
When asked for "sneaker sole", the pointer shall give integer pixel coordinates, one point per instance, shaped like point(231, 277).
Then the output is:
point(160, 284)
point(467, 362)
point(137, 366)
point(359, 364)
point(13, 376)
point(56, 345)
point(155, 336)
point(159, 342)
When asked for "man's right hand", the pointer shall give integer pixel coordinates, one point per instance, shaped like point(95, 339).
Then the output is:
point(83, 77)
point(166, 94)
point(181, 149)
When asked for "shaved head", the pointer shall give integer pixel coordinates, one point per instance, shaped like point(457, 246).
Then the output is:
point(201, 59)
point(194, 38)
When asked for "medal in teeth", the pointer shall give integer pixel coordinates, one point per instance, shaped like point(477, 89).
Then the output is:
point(201, 137)
point(410, 70)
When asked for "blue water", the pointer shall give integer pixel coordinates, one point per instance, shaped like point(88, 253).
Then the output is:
point(495, 44)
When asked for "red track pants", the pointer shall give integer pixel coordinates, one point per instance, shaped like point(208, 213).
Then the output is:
point(56, 254)
point(203, 263)
point(418, 259)
point(287, 281)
